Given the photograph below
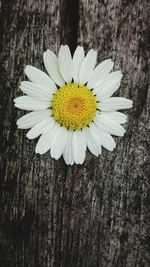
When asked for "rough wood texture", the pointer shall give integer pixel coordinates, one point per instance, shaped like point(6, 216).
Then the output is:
point(95, 215)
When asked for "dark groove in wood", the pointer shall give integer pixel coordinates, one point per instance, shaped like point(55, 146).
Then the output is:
point(69, 23)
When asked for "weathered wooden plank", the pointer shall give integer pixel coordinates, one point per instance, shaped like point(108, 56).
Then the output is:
point(29, 205)
point(91, 215)
point(119, 29)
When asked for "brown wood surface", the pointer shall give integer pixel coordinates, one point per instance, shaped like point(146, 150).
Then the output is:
point(94, 215)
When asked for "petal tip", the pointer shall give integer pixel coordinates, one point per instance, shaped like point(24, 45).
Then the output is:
point(131, 103)
point(36, 151)
point(28, 136)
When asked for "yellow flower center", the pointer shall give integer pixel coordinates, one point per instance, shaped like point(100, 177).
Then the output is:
point(74, 106)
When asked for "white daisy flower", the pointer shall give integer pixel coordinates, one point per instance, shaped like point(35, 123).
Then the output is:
point(72, 108)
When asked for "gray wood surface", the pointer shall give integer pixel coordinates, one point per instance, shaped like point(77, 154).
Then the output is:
point(94, 215)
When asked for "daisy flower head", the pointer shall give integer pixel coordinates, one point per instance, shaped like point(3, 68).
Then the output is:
point(72, 107)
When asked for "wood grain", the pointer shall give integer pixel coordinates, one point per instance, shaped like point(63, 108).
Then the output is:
point(94, 215)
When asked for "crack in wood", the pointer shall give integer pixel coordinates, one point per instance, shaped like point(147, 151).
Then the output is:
point(69, 19)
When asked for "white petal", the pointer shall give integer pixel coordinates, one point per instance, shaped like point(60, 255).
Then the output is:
point(29, 103)
point(38, 91)
point(96, 137)
point(109, 126)
point(52, 67)
point(115, 103)
point(32, 118)
point(105, 139)
point(68, 151)
point(100, 72)
point(38, 76)
point(65, 63)
point(79, 147)
point(91, 143)
point(77, 59)
point(111, 85)
point(45, 141)
point(115, 116)
point(41, 127)
point(108, 80)
point(59, 142)
point(87, 66)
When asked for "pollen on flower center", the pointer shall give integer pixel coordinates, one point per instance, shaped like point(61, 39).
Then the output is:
point(74, 106)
